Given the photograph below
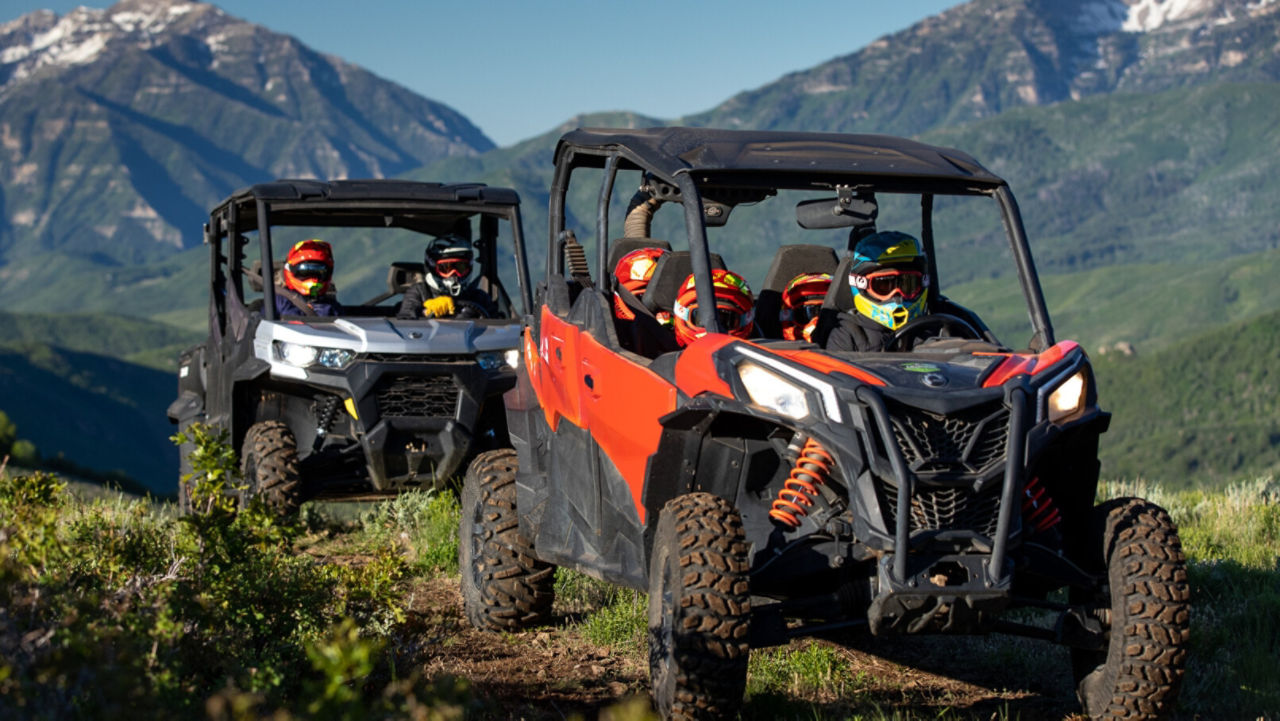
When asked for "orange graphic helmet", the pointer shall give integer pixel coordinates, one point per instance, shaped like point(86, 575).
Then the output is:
point(734, 307)
point(801, 301)
point(636, 268)
point(633, 272)
point(308, 268)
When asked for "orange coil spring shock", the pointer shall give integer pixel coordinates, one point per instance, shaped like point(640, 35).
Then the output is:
point(812, 469)
point(1038, 509)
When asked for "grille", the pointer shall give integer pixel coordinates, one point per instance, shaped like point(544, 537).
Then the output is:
point(969, 441)
point(416, 358)
point(951, 509)
point(415, 396)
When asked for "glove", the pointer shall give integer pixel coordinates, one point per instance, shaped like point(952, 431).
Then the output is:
point(437, 307)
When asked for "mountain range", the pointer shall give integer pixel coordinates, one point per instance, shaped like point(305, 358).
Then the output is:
point(1141, 136)
point(120, 127)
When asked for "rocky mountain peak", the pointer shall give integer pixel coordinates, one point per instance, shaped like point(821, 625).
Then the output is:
point(44, 41)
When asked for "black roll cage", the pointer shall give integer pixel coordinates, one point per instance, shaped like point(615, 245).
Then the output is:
point(384, 204)
point(693, 158)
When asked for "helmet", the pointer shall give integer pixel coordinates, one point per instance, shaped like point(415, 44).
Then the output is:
point(801, 301)
point(889, 279)
point(734, 306)
point(308, 268)
point(448, 258)
point(636, 268)
point(633, 273)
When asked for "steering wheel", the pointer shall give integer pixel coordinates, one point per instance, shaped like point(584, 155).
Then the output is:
point(473, 309)
point(940, 325)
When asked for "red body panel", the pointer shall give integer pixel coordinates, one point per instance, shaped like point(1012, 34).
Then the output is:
point(1015, 364)
point(618, 401)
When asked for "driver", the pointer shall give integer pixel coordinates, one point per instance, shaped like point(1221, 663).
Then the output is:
point(889, 279)
point(304, 285)
point(444, 291)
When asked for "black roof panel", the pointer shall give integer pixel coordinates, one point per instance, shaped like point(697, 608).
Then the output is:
point(671, 150)
point(373, 189)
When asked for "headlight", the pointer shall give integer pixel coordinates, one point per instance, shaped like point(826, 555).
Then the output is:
point(336, 358)
point(502, 360)
point(1068, 399)
point(296, 354)
point(304, 356)
point(770, 390)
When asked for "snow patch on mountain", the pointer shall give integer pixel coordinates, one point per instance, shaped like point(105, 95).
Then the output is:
point(43, 39)
point(1147, 15)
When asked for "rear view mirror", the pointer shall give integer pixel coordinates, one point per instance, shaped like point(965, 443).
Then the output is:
point(826, 213)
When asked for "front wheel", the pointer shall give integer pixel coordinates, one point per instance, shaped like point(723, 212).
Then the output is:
point(504, 586)
point(699, 606)
point(269, 463)
point(1145, 610)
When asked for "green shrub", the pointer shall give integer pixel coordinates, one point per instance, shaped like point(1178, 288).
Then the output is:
point(424, 523)
point(112, 609)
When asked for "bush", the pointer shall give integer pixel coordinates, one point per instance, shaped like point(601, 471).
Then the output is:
point(111, 609)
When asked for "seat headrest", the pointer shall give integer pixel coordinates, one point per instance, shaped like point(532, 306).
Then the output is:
point(670, 273)
point(792, 260)
point(254, 273)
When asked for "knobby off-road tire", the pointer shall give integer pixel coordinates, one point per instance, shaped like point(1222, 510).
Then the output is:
point(1145, 607)
point(504, 586)
point(698, 609)
point(269, 464)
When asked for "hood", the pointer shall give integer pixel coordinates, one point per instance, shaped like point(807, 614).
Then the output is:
point(384, 335)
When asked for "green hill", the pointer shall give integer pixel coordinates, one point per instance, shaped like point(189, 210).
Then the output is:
point(98, 412)
point(140, 341)
point(1152, 306)
point(1199, 413)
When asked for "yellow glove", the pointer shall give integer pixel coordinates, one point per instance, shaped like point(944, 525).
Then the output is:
point(437, 307)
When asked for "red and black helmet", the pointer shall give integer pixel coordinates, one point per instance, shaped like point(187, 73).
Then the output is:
point(735, 307)
point(308, 268)
point(801, 302)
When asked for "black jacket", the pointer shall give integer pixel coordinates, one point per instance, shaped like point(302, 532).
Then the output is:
point(856, 332)
point(470, 302)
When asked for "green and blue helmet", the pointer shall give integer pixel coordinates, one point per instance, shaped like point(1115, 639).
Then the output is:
point(889, 278)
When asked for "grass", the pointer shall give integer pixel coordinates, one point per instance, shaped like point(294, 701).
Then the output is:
point(111, 603)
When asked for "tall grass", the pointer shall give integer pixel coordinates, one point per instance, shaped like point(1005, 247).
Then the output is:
point(1232, 542)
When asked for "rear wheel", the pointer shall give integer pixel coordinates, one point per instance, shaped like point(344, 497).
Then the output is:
point(698, 609)
point(269, 464)
point(1145, 610)
point(504, 586)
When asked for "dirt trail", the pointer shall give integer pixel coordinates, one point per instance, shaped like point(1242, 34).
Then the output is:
point(555, 673)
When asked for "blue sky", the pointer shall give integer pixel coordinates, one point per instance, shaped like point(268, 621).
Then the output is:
point(518, 68)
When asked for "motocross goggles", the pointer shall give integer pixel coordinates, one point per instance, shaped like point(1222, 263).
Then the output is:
point(311, 270)
point(802, 314)
point(453, 267)
point(882, 285)
point(730, 318)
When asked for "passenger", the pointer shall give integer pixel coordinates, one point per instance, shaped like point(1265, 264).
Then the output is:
point(889, 280)
point(734, 307)
point(444, 291)
point(801, 301)
point(306, 286)
point(633, 272)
